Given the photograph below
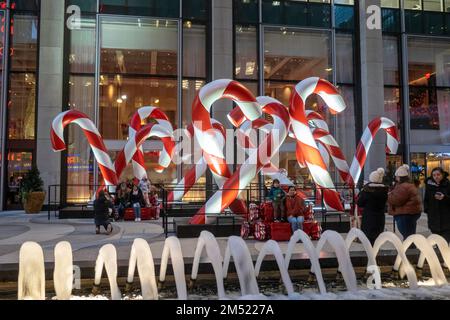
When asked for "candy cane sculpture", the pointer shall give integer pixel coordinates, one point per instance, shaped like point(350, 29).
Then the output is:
point(209, 139)
point(306, 142)
point(94, 138)
point(135, 124)
point(134, 144)
point(193, 174)
point(366, 142)
point(256, 161)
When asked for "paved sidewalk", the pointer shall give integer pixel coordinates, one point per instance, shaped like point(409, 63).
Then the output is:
point(17, 227)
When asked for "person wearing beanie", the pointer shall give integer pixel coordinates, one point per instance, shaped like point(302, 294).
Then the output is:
point(372, 199)
point(405, 203)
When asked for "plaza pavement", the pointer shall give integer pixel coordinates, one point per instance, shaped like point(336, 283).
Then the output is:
point(16, 227)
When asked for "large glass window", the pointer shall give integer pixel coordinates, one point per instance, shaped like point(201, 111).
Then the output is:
point(287, 58)
point(136, 72)
point(21, 115)
point(81, 83)
point(429, 85)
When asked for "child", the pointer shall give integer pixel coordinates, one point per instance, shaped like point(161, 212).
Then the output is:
point(295, 208)
point(277, 195)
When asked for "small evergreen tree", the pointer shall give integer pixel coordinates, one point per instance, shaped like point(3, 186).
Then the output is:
point(32, 182)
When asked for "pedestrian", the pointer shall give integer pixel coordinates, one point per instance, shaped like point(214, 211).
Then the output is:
point(295, 208)
point(122, 199)
point(437, 203)
point(404, 202)
point(144, 185)
point(137, 201)
point(277, 195)
point(372, 199)
point(102, 209)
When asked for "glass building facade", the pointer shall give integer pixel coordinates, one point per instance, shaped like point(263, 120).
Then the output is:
point(119, 55)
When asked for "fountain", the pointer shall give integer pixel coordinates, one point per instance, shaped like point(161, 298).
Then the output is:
point(312, 255)
point(172, 249)
point(243, 263)
point(107, 257)
point(63, 272)
point(271, 247)
point(208, 241)
point(397, 243)
point(442, 245)
point(141, 255)
point(342, 254)
point(427, 252)
point(31, 284)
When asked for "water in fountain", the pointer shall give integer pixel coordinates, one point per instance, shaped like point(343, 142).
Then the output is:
point(63, 272)
point(31, 284)
point(172, 249)
point(272, 248)
point(372, 267)
point(312, 255)
point(208, 241)
point(141, 255)
point(237, 248)
point(336, 241)
point(107, 257)
point(428, 252)
point(443, 247)
point(397, 243)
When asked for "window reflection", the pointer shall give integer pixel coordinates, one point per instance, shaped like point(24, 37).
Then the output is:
point(21, 107)
point(287, 58)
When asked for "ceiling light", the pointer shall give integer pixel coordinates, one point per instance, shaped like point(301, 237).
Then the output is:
point(119, 100)
point(124, 97)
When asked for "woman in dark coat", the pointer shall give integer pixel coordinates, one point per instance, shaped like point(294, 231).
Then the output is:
point(373, 199)
point(137, 201)
point(437, 203)
point(102, 206)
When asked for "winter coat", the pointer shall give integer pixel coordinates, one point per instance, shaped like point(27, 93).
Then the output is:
point(438, 210)
point(404, 199)
point(276, 194)
point(139, 198)
point(372, 200)
point(295, 206)
point(101, 210)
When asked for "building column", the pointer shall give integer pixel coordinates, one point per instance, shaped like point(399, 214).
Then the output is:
point(50, 87)
point(372, 84)
point(222, 53)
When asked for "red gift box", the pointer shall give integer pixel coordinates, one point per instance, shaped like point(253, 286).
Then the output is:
point(280, 231)
point(262, 231)
point(129, 214)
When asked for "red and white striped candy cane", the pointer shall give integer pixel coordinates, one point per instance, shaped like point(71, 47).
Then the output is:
point(366, 141)
point(133, 144)
point(255, 162)
point(94, 138)
point(303, 134)
point(195, 173)
point(245, 142)
point(332, 147)
point(211, 140)
point(136, 122)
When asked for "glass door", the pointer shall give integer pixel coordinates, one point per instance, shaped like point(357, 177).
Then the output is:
point(137, 66)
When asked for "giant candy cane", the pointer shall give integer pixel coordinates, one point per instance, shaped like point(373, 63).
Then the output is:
point(192, 175)
point(211, 140)
point(303, 134)
point(136, 122)
point(255, 162)
point(93, 136)
point(366, 141)
point(134, 144)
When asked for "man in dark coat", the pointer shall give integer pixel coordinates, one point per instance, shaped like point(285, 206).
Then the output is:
point(373, 199)
point(437, 203)
point(102, 205)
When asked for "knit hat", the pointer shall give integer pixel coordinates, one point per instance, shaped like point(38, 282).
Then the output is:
point(402, 171)
point(377, 176)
